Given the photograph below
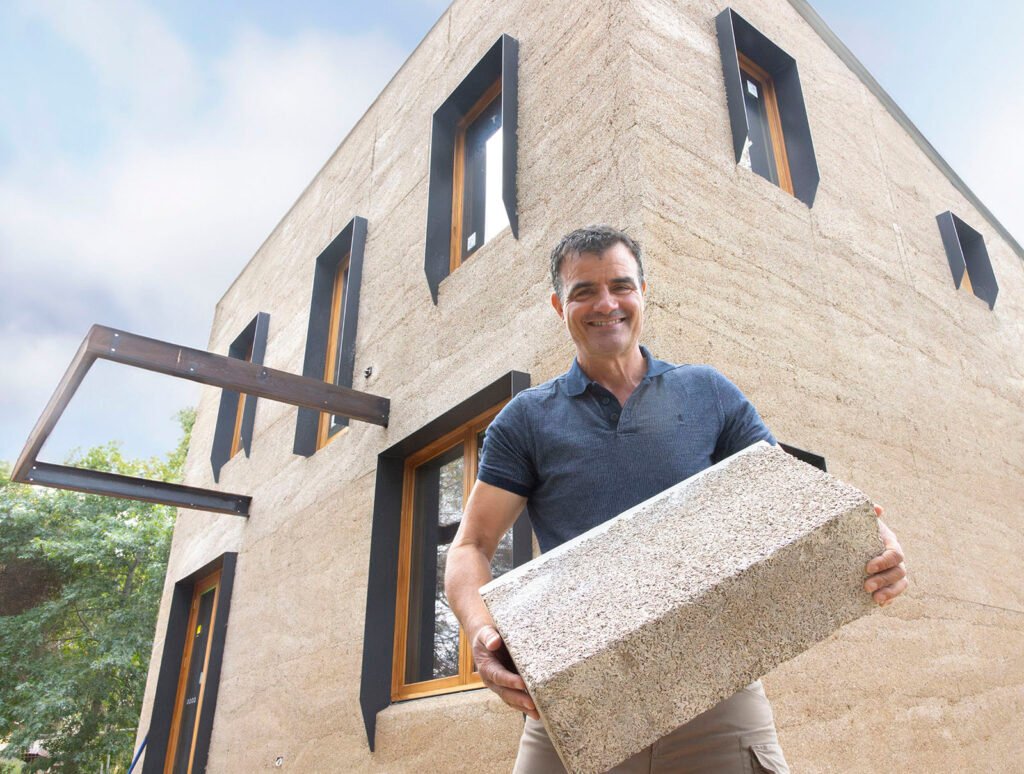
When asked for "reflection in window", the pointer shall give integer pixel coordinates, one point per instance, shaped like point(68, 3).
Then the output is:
point(431, 651)
point(479, 213)
point(437, 512)
point(334, 363)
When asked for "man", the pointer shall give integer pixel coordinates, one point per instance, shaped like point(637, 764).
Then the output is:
point(616, 429)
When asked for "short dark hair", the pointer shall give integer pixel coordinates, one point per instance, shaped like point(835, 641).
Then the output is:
point(590, 239)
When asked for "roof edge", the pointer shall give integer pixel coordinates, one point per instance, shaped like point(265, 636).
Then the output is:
point(803, 7)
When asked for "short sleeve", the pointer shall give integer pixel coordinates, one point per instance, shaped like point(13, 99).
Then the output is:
point(507, 457)
point(741, 424)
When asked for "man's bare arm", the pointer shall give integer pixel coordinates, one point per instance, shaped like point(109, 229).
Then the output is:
point(489, 514)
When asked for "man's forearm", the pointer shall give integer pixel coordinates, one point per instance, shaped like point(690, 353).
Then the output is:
point(468, 568)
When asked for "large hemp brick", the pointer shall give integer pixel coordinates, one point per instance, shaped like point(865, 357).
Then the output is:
point(640, 624)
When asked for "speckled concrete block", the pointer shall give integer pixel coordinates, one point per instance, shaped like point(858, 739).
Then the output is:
point(644, 622)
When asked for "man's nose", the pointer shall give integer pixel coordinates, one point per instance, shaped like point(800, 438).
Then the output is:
point(605, 301)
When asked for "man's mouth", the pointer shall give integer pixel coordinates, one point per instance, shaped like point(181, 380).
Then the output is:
point(606, 323)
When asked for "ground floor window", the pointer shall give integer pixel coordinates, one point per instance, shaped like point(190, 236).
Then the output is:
point(432, 654)
point(194, 666)
point(178, 738)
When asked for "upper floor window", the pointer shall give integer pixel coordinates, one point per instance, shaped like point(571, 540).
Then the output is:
point(472, 193)
point(334, 367)
point(478, 214)
point(762, 106)
point(331, 336)
point(237, 413)
point(968, 258)
point(770, 132)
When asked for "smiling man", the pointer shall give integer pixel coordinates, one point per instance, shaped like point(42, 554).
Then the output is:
point(619, 427)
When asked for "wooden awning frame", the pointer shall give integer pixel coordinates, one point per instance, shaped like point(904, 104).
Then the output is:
point(103, 343)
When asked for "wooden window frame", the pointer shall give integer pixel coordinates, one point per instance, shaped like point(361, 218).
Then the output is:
point(771, 105)
point(500, 64)
point(237, 442)
point(746, 52)
point(376, 676)
point(467, 678)
point(202, 586)
point(332, 331)
point(492, 93)
point(236, 415)
point(166, 696)
point(324, 433)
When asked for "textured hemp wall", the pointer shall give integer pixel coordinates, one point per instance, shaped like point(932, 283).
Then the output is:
point(841, 323)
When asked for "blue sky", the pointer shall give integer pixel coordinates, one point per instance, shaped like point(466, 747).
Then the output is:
point(147, 147)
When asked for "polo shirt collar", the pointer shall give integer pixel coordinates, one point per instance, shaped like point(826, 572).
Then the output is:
point(576, 381)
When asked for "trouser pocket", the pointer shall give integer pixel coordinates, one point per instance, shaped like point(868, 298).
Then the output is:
point(767, 758)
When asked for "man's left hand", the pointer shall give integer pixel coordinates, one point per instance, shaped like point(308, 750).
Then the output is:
point(887, 575)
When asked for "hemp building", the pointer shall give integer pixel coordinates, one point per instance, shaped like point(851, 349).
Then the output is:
point(799, 234)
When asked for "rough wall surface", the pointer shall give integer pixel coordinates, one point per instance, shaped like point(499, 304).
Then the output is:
point(840, 322)
point(644, 622)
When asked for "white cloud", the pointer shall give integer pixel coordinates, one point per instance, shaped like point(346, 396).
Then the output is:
point(142, 68)
point(148, 235)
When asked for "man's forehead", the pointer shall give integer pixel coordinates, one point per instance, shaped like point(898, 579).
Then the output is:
point(630, 278)
point(617, 252)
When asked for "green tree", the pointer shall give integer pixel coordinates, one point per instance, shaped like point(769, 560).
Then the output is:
point(75, 638)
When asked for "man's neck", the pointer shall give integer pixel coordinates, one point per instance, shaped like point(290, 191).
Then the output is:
point(619, 375)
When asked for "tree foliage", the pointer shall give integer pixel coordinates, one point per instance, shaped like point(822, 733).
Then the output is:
point(77, 634)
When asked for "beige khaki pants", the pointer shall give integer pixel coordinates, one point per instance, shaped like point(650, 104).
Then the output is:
point(736, 736)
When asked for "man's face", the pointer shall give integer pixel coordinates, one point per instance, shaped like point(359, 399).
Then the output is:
point(603, 307)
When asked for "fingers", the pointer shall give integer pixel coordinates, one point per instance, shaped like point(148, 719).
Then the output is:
point(488, 649)
point(518, 700)
point(488, 637)
point(889, 558)
point(887, 573)
point(494, 674)
point(892, 554)
point(887, 594)
point(881, 581)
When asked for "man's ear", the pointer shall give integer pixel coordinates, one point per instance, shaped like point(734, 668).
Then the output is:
point(556, 303)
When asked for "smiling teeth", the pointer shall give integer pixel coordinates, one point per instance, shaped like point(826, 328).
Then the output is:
point(602, 323)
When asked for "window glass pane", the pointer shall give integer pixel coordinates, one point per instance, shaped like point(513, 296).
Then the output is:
point(341, 299)
point(762, 155)
point(483, 214)
point(432, 643)
point(495, 217)
point(501, 562)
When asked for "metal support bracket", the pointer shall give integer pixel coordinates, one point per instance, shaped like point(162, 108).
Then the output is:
point(197, 365)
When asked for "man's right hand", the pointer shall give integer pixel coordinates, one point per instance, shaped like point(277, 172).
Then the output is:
point(493, 662)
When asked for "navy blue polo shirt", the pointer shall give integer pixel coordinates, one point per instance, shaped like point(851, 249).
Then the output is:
point(580, 458)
